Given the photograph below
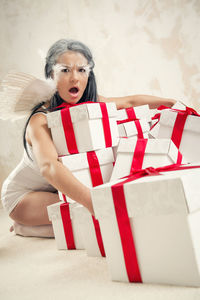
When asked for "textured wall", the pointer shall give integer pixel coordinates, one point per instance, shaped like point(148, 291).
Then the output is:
point(140, 46)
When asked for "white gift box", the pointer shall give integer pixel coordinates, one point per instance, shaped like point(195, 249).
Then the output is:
point(87, 126)
point(164, 217)
point(55, 217)
point(190, 142)
point(92, 240)
point(155, 127)
point(158, 153)
point(141, 112)
point(129, 129)
point(79, 166)
point(179, 105)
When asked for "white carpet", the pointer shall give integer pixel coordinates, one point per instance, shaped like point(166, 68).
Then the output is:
point(33, 268)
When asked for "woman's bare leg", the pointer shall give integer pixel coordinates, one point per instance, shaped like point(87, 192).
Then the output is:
point(30, 215)
point(32, 209)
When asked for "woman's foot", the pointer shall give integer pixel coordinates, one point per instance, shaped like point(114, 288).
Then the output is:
point(36, 231)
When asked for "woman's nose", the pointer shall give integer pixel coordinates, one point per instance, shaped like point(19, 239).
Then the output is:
point(74, 76)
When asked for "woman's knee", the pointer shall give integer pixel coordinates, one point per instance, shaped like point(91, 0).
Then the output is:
point(19, 213)
point(32, 208)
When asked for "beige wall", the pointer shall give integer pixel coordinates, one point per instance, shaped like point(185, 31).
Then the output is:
point(140, 46)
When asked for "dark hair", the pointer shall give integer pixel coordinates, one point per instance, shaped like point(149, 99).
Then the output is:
point(90, 93)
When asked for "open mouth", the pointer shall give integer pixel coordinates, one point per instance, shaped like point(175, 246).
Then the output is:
point(73, 90)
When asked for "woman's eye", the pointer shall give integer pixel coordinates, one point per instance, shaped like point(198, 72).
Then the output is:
point(65, 70)
point(82, 70)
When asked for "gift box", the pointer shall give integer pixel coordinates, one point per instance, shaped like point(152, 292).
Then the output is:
point(183, 128)
point(151, 227)
point(135, 154)
point(66, 225)
point(134, 113)
point(135, 128)
point(84, 127)
point(91, 233)
point(92, 169)
point(156, 117)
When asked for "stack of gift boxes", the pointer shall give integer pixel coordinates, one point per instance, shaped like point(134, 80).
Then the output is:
point(84, 136)
point(145, 185)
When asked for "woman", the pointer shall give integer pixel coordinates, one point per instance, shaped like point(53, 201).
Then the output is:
point(32, 186)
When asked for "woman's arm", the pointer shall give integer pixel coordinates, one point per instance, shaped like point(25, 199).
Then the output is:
point(135, 100)
point(51, 168)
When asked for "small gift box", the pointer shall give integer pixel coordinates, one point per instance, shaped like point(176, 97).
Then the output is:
point(151, 226)
point(183, 128)
point(66, 225)
point(91, 168)
point(91, 233)
point(134, 113)
point(137, 128)
point(84, 127)
point(135, 154)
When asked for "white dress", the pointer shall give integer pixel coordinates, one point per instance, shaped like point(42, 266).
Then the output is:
point(25, 178)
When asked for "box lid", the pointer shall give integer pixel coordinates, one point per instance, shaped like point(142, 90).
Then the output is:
point(82, 112)
point(79, 161)
point(172, 193)
point(179, 105)
point(141, 112)
point(154, 146)
point(168, 118)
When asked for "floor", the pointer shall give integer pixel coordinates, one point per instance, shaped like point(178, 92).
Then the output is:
point(33, 268)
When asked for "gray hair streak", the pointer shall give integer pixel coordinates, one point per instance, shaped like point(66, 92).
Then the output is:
point(62, 46)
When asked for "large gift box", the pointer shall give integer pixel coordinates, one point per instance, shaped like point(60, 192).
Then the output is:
point(183, 128)
point(84, 127)
point(151, 227)
point(135, 154)
point(66, 225)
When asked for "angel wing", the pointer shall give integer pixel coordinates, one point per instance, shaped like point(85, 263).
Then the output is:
point(20, 92)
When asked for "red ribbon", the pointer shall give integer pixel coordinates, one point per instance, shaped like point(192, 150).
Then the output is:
point(69, 131)
point(130, 114)
point(96, 177)
point(138, 155)
point(139, 129)
point(67, 225)
point(126, 234)
point(180, 124)
point(106, 125)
